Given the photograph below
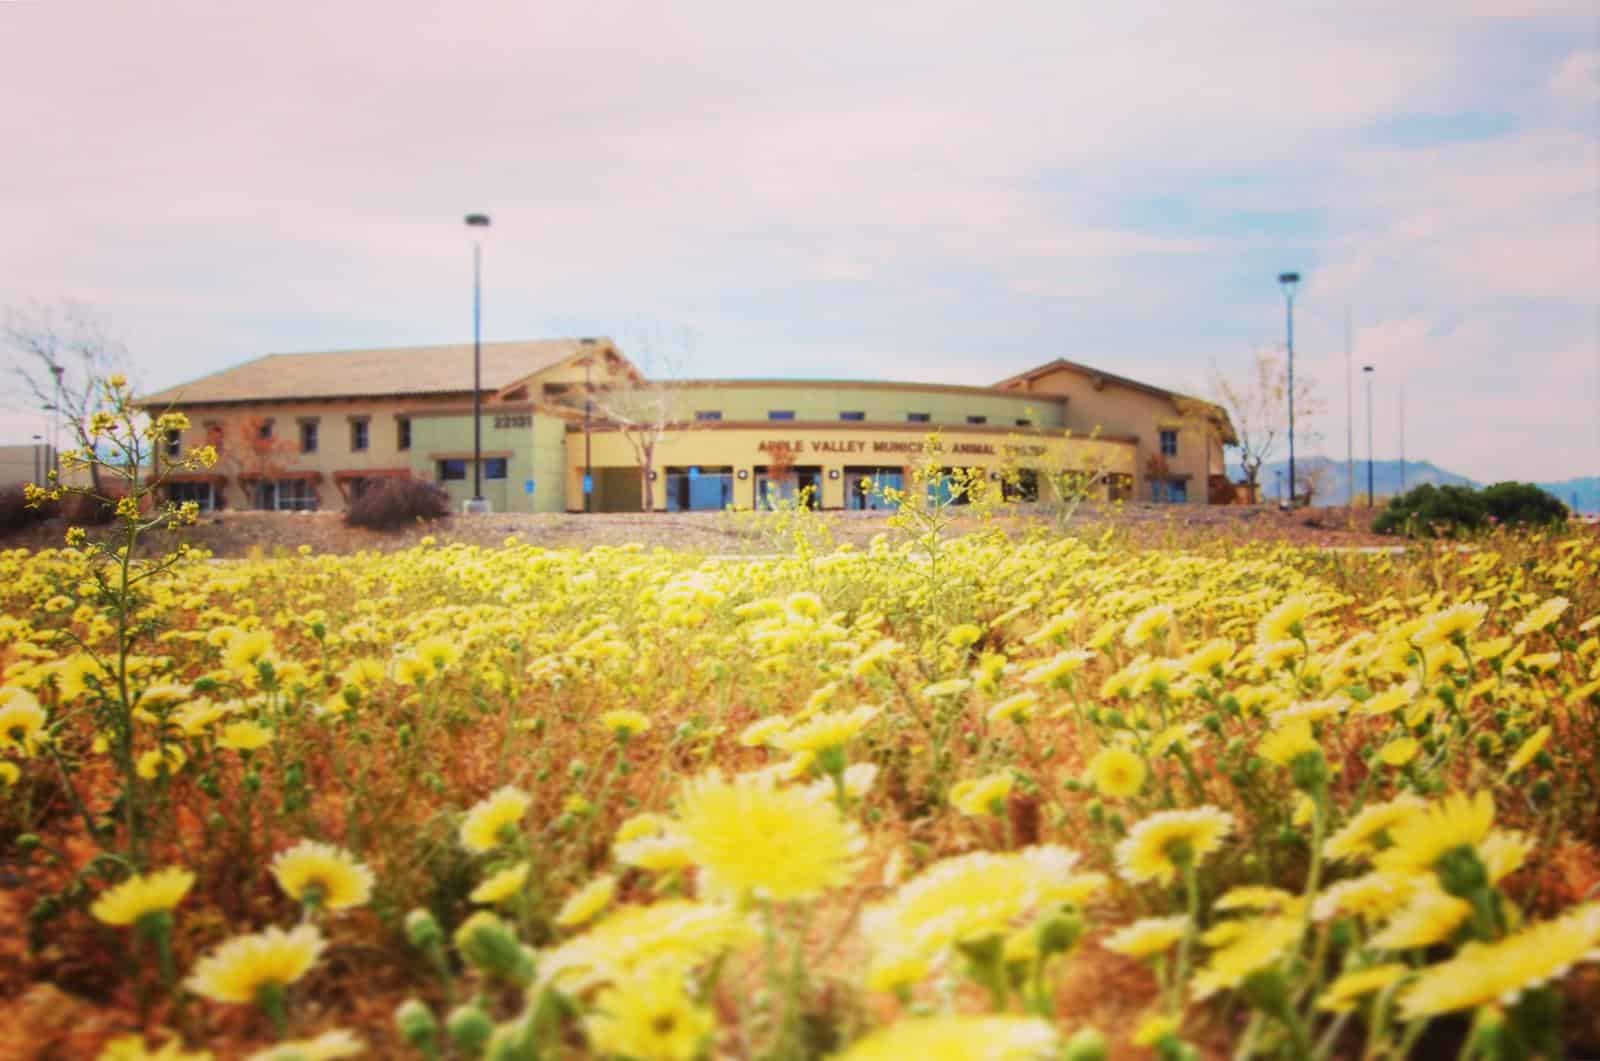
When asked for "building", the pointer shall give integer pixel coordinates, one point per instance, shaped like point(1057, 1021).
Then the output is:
point(315, 430)
point(25, 464)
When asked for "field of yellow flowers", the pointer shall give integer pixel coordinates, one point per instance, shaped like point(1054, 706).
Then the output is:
point(972, 797)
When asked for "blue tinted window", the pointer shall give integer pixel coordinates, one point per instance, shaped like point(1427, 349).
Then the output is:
point(780, 414)
point(494, 468)
point(917, 418)
point(452, 470)
point(853, 416)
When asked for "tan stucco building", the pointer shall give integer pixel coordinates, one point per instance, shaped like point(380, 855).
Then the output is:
point(299, 431)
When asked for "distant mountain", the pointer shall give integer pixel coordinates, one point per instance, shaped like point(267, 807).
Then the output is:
point(1390, 478)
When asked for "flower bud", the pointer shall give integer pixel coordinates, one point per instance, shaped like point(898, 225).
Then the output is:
point(469, 1028)
point(422, 930)
point(416, 1024)
point(490, 945)
point(1086, 1045)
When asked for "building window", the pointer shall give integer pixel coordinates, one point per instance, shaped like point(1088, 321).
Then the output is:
point(699, 487)
point(780, 414)
point(173, 444)
point(285, 495)
point(708, 414)
point(977, 419)
point(1170, 491)
point(494, 468)
point(214, 435)
point(183, 493)
point(1023, 421)
point(917, 418)
point(866, 487)
point(308, 436)
point(1169, 443)
point(794, 483)
point(359, 435)
point(1023, 486)
point(452, 471)
point(403, 433)
point(853, 416)
point(264, 431)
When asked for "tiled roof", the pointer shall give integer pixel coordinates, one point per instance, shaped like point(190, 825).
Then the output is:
point(371, 373)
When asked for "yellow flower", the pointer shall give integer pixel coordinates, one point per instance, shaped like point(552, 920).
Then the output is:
point(753, 839)
point(1452, 624)
point(1488, 973)
point(488, 823)
point(1430, 917)
point(245, 649)
point(139, 896)
point(964, 634)
point(584, 904)
point(329, 1046)
point(501, 886)
point(948, 687)
point(10, 774)
point(1363, 834)
point(1399, 752)
point(21, 719)
point(323, 876)
point(1260, 944)
point(1276, 654)
point(1148, 936)
point(1209, 657)
point(1425, 837)
point(979, 796)
point(1155, 1028)
point(1390, 700)
point(436, 653)
point(132, 1048)
point(958, 1038)
point(244, 736)
point(1372, 897)
point(241, 968)
point(1117, 772)
point(624, 724)
point(1058, 667)
point(1342, 995)
point(1156, 847)
point(1017, 708)
point(1255, 897)
point(824, 732)
point(167, 759)
point(1285, 622)
point(1541, 617)
point(762, 731)
point(1153, 622)
point(1287, 743)
point(671, 933)
point(1530, 748)
point(650, 1018)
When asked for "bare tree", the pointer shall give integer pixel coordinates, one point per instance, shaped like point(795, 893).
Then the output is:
point(1257, 405)
point(61, 354)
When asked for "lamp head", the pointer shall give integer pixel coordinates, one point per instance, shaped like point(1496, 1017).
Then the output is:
point(479, 224)
point(1289, 281)
point(1368, 368)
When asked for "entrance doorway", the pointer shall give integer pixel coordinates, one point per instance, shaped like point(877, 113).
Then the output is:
point(864, 486)
point(802, 481)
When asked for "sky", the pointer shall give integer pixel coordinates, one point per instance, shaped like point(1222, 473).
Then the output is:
point(931, 191)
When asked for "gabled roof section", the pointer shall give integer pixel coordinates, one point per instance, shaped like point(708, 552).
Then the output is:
point(1099, 377)
point(604, 351)
point(386, 372)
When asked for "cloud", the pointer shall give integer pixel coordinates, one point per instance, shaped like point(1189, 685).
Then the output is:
point(932, 190)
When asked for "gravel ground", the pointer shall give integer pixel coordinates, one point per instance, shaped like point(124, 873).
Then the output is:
point(243, 533)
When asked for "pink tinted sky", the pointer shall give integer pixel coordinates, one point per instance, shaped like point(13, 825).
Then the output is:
point(926, 191)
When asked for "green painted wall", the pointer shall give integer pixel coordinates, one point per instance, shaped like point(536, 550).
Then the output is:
point(433, 435)
point(549, 464)
point(880, 404)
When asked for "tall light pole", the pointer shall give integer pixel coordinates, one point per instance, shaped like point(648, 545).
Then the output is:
point(1402, 437)
point(1367, 371)
point(1349, 418)
point(1289, 281)
point(477, 224)
point(55, 420)
point(588, 408)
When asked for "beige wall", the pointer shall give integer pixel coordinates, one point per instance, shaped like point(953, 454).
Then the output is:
point(833, 448)
point(284, 455)
point(1117, 409)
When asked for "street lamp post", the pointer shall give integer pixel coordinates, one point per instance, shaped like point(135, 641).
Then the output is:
point(477, 223)
point(588, 410)
point(1289, 282)
point(1367, 370)
point(55, 420)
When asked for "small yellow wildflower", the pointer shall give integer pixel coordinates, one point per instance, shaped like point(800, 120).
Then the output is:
point(140, 896)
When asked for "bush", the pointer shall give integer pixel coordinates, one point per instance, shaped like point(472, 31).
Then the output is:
point(15, 515)
point(1448, 511)
point(395, 503)
point(1523, 505)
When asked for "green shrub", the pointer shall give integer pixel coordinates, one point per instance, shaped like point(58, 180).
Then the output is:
point(1448, 511)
